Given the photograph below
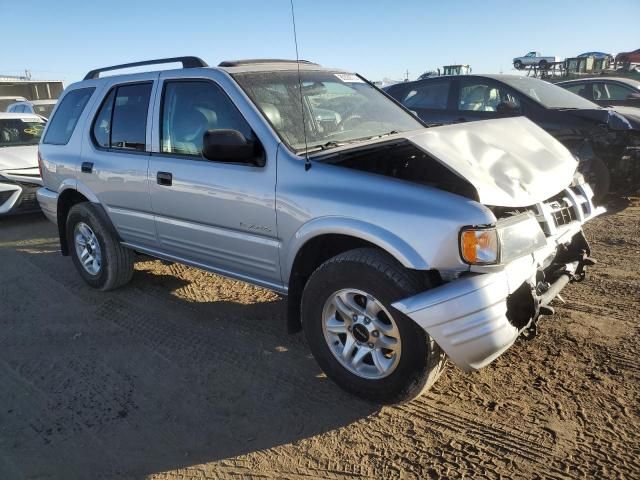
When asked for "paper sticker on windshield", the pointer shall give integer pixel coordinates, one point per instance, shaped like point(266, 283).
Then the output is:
point(349, 77)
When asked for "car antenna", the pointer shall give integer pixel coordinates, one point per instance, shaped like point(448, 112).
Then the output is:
point(307, 162)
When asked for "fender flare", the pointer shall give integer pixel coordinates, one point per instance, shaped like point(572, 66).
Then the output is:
point(374, 234)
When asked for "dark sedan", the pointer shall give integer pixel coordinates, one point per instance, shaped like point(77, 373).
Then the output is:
point(606, 91)
point(606, 143)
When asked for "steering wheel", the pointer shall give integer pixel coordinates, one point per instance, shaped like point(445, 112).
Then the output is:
point(349, 118)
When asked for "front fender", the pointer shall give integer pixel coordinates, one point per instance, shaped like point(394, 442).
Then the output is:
point(386, 240)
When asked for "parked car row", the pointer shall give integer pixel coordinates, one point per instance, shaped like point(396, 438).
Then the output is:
point(398, 246)
point(605, 141)
point(536, 59)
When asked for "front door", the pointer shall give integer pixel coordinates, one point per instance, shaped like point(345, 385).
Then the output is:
point(217, 215)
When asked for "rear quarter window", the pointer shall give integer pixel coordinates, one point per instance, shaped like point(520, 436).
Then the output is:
point(63, 122)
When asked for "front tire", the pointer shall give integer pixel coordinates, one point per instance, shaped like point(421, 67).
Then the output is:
point(98, 256)
point(518, 65)
point(363, 344)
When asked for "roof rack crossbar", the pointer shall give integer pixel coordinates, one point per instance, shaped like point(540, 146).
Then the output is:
point(187, 62)
point(237, 63)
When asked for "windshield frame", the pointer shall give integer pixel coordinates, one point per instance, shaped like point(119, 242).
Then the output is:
point(581, 103)
point(320, 148)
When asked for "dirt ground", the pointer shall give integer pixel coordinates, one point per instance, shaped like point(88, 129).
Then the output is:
point(183, 374)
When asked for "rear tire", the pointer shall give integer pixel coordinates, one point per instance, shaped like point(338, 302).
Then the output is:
point(98, 256)
point(415, 360)
point(543, 65)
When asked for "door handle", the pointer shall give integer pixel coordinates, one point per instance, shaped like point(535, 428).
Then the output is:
point(87, 167)
point(164, 178)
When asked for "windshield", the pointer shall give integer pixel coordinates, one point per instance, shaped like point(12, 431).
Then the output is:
point(20, 131)
point(549, 95)
point(43, 109)
point(339, 108)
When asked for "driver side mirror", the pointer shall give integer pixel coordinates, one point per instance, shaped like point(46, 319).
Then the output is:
point(231, 146)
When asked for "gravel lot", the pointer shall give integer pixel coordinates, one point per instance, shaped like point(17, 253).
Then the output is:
point(183, 374)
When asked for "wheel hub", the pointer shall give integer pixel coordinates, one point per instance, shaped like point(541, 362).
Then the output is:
point(361, 333)
point(87, 248)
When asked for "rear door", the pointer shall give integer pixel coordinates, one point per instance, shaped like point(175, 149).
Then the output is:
point(482, 99)
point(431, 100)
point(209, 213)
point(613, 93)
point(115, 159)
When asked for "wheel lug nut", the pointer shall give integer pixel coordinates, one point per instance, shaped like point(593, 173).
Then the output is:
point(366, 321)
point(375, 333)
point(349, 328)
point(355, 317)
point(370, 345)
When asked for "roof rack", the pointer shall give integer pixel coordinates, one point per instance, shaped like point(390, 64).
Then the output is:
point(187, 62)
point(253, 61)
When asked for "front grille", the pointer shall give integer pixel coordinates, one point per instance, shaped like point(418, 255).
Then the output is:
point(561, 210)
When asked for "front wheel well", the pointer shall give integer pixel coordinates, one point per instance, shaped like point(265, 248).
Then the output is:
point(66, 200)
point(314, 253)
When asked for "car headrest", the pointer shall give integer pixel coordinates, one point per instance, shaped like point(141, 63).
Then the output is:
point(272, 113)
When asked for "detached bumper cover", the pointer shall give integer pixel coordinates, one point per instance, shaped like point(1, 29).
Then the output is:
point(467, 317)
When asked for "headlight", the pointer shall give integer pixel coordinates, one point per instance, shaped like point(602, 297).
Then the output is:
point(479, 246)
point(511, 238)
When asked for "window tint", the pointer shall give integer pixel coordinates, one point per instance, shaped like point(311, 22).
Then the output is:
point(121, 121)
point(610, 91)
point(129, 119)
point(578, 89)
point(485, 97)
point(63, 123)
point(189, 109)
point(102, 122)
point(431, 95)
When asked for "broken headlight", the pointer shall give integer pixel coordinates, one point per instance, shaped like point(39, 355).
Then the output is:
point(510, 238)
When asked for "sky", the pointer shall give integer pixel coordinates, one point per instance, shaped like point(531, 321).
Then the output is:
point(63, 39)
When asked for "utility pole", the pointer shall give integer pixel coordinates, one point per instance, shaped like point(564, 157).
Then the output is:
point(406, 76)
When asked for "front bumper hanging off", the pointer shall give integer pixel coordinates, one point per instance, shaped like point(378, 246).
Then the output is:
point(478, 316)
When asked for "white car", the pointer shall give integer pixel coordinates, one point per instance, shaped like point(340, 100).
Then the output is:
point(39, 107)
point(19, 173)
point(533, 58)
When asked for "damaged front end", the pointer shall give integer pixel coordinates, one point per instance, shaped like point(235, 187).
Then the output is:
point(479, 315)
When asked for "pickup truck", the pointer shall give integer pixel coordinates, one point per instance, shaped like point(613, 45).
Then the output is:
point(398, 246)
point(534, 58)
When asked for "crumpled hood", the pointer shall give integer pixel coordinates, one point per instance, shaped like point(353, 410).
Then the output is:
point(511, 162)
point(16, 158)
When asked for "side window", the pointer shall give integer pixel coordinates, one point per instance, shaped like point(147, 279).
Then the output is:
point(487, 97)
point(615, 91)
point(121, 121)
point(578, 89)
point(62, 124)
point(189, 109)
point(432, 95)
point(102, 122)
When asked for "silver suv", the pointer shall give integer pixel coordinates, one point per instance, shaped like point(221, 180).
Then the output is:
point(397, 245)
